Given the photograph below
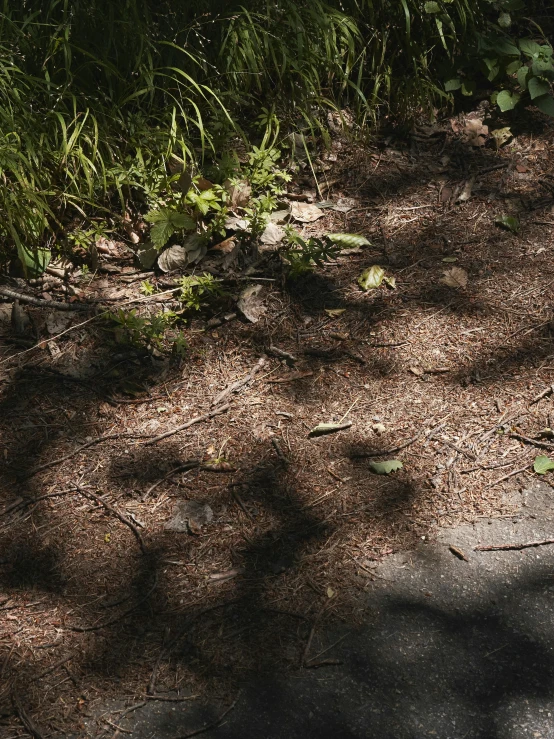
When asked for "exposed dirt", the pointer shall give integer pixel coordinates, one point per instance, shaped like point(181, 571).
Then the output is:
point(99, 600)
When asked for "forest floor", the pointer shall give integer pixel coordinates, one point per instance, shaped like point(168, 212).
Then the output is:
point(100, 594)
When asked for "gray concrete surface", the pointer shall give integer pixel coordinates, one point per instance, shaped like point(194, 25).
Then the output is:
point(451, 650)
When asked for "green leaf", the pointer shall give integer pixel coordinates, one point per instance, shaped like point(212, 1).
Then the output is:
point(545, 104)
point(529, 48)
point(390, 282)
point(161, 232)
point(371, 278)
point(453, 84)
point(511, 223)
point(538, 87)
point(432, 7)
point(469, 87)
point(147, 255)
point(522, 73)
point(34, 261)
point(543, 464)
point(513, 67)
point(182, 220)
point(385, 468)
point(507, 100)
point(348, 241)
point(504, 20)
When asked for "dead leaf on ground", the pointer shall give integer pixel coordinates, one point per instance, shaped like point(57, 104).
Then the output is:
point(190, 516)
point(251, 303)
point(476, 132)
point(239, 193)
point(467, 190)
point(305, 212)
point(225, 247)
point(455, 277)
point(173, 258)
point(501, 136)
point(271, 237)
point(322, 429)
point(334, 312)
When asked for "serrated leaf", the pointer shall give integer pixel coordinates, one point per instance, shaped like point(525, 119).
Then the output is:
point(371, 278)
point(182, 220)
point(385, 468)
point(507, 100)
point(543, 464)
point(348, 241)
point(545, 104)
point(511, 223)
point(161, 232)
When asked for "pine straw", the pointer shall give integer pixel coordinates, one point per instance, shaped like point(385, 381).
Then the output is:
point(293, 531)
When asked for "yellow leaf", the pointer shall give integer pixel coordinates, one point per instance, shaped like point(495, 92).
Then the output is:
point(330, 592)
point(107, 538)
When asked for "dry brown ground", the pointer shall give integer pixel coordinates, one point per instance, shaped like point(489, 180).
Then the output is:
point(86, 612)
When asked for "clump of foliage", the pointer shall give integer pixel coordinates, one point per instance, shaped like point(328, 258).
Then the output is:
point(104, 106)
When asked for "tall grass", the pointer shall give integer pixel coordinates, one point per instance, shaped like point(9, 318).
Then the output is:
point(97, 97)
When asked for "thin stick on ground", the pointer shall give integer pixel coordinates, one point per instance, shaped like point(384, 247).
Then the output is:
point(190, 464)
point(394, 450)
point(239, 384)
point(510, 474)
point(116, 513)
point(25, 719)
point(515, 547)
point(188, 424)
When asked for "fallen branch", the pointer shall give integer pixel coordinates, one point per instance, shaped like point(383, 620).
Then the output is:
point(25, 719)
point(514, 547)
point(116, 513)
point(191, 464)
point(188, 424)
point(544, 394)
point(239, 384)
point(31, 300)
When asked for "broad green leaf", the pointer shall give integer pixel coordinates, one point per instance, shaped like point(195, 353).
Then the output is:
point(183, 220)
point(34, 261)
point(504, 20)
point(161, 232)
point(522, 73)
point(511, 223)
point(469, 87)
point(537, 87)
point(147, 255)
point(432, 7)
point(371, 278)
point(529, 48)
point(513, 66)
point(543, 464)
point(385, 468)
point(504, 47)
point(453, 84)
point(545, 104)
point(507, 100)
point(348, 241)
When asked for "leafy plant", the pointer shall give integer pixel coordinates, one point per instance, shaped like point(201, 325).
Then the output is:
point(197, 288)
point(303, 256)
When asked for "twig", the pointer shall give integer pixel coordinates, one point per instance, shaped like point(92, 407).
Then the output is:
point(83, 629)
point(213, 725)
point(170, 699)
point(304, 660)
point(99, 440)
point(16, 295)
point(281, 354)
point(390, 344)
point(515, 547)
point(25, 719)
point(394, 450)
point(116, 513)
point(510, 474)
point(189, 465)
point(544, 394)
point(534, 442)
point(188, 424)
point(239, 384)
point(279, 451)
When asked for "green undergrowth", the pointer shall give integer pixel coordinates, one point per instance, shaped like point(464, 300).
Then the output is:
point(105, 107)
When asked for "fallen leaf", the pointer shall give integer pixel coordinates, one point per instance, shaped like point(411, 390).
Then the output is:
point(458, 553)
point(385, 468)
point(227, 246)
point(330, 592)
point(329, 428)
point(251, 303)
point(173, 258)
point(390, 282)
point(379, 428)
point(305, 212)
point(348, 241)
point(543, 464)
point(465, 195)
point(345, 205)
point(239, 193)
point(371, 278)
point(455, 277)
point(417, 371)
point(272, 236)
point(189, 516)
point(334, 312)
point(510, 223)
point(501, 135)
point(450, 259)
point(203, 184)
